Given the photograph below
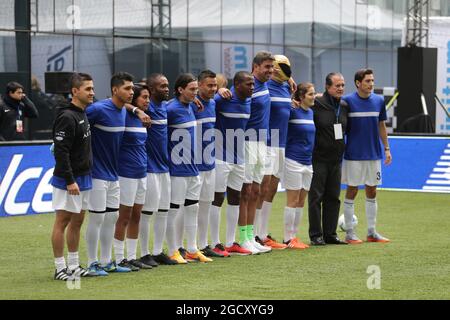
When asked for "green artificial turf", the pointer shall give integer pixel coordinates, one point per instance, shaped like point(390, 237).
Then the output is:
point(415, 265)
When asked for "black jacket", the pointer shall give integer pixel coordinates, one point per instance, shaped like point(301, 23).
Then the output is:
point(9, 114)
point(327, 148)
point(72, 139)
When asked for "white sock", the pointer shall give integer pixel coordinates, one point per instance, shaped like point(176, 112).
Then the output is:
point(93, 234)
point(144, 233)
point(179, 228)
point(264, 221)
point(170, 231)
point(232, 221)
point(131, 249)
point(289, 218)
point(119, 250)
point(214, 225)
point(190, 226)
point(349, 211)
point(107, 236)
point(73, 260)
point(203, 222)
point(60, 264)
point(159, 231)
point(371, 214)
point(257, 223)
point(297, 221)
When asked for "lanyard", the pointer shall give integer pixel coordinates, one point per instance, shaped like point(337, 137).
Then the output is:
point(338, 113)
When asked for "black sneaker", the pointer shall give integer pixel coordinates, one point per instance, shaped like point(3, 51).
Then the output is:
point(258, 239)
point(139, 264)
point(183, 252)
point(162, 258)
point(80, 272)
point(126, 264)
point(207, 251)
point(63, 275)
point(148, 260)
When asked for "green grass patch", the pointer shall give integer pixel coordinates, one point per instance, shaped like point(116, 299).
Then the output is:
point(415, 265)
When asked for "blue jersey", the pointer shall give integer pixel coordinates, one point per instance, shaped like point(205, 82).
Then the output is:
point(260, 112)
point(232, 116)
point(83, 182)
point(156, 145)
point(182, 126)
point(363, 133)
point(107, 127)
point(301, 135)
point(133, 156)
point(280, 110)
point(206, 120)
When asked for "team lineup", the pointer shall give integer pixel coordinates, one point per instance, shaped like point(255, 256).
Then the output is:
point(140, 155)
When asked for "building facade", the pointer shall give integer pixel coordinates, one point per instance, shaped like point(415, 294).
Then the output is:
point(172, 36)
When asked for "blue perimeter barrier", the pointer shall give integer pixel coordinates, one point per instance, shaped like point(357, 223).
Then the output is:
point(420, 164)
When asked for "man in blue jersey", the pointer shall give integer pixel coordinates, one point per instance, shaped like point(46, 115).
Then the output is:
point(231, 120)
point(363, 153)
point(185, 181)
point(107, 120)
point(72, 178)
point(205, 156)
point(280, 108)
point(157, 199)
point(256, 147)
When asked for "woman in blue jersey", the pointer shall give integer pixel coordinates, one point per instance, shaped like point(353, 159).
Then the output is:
point(298, 169)
point(133, 183)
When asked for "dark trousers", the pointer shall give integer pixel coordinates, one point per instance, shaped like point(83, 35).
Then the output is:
point(323, 200)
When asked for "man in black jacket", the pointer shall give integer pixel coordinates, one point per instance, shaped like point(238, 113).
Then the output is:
point(330, 118)
point(72, 178)
point(14, 108)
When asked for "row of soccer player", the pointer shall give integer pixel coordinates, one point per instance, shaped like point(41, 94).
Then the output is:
point(109, 163)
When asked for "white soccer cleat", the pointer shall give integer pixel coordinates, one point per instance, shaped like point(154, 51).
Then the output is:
point(261, 248)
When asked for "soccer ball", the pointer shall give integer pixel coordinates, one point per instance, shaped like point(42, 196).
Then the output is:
point(341, 222)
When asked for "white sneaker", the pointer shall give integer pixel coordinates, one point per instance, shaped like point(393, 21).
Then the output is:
point(261, 248)
point(249, 246)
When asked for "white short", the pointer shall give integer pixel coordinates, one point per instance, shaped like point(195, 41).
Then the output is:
point(104, 194)
point(255, 161)
point(207, 182)
point(61, 200)
point(274, 162)
point(229, 175)
point(132, 191)
point(158, 192)
point(297, 176)
point(358, 173)
point(184, 188)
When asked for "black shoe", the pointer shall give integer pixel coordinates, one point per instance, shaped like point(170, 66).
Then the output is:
point(79, 272)
point(183, 252)
point(63, 275)
point(139, 264)
point(148, 260)
point(258, 239)
point(207, 251)
point(126, 264)
point(317, 242)
point(162, 258)
point(334, 240)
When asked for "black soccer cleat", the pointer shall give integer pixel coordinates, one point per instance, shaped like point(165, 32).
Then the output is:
point(162, 258)
point(139, 264)
point(126, 264)
point(148, 260)
point(207, 251)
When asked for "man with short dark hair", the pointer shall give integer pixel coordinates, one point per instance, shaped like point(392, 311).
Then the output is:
point(72, 178)
point(14, 108)
point(231, 120)
point(363, 153)
point(330, 118)
point(107, 120)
